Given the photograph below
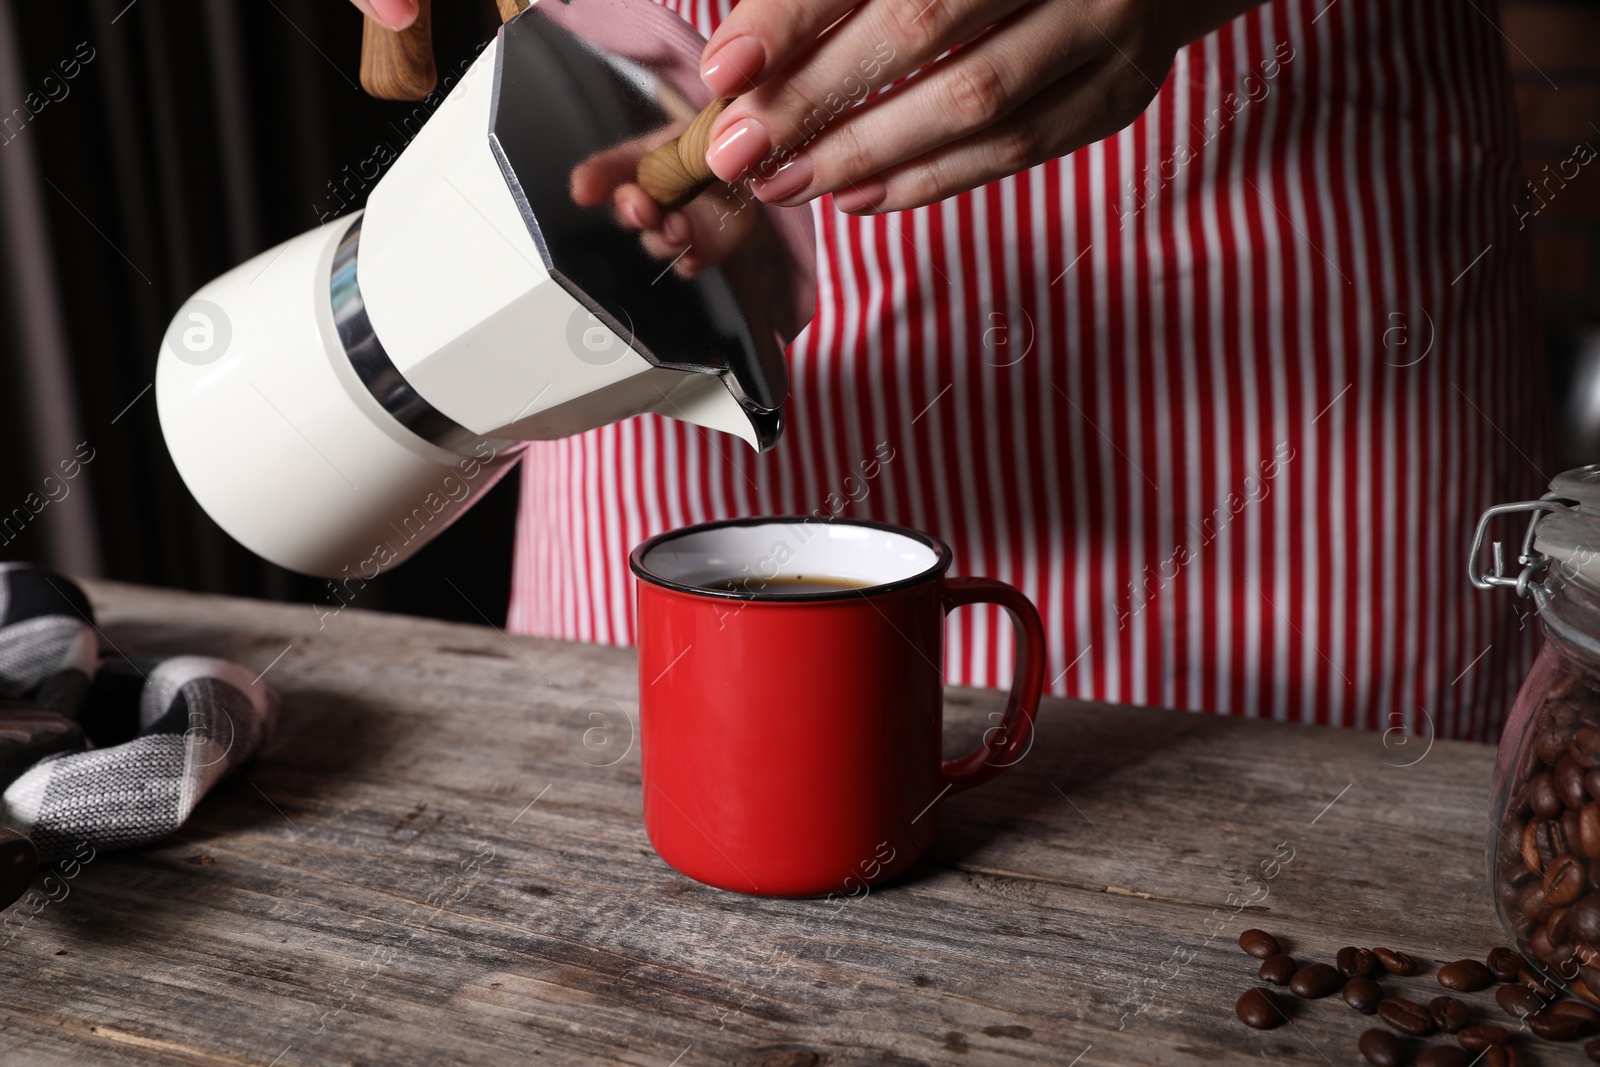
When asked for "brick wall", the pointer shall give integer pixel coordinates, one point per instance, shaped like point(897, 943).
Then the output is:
point(1554, 49)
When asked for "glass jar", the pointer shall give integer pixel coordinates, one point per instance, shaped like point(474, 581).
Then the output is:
point(1544, 859)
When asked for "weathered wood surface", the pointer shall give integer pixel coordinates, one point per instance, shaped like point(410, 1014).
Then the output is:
point(427, 867)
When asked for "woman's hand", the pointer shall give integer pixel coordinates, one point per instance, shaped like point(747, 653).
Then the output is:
point(1029, 80)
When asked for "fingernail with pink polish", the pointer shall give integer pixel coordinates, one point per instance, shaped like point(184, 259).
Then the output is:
point(734, 67)
point(741, 146)
point(860, 196)
point(398, 15)
point(787, 182)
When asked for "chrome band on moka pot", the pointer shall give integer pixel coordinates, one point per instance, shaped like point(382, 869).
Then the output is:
point(372, 363)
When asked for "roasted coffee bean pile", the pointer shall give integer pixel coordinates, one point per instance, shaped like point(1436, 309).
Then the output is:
point(1547, 868)
point(1528, 993)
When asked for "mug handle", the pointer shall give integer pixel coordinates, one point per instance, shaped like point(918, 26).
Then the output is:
point(1005, 744)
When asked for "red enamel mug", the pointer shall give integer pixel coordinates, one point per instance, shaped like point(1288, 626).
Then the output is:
point(790, 734)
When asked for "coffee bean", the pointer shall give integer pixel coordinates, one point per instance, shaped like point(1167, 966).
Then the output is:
point(1584, 919)
point(1592, 1050)
point(1549, 841)
point(1449, 1014)
point(1382, 1049)
point(1537, 982)
point(1589, 827)
point(1278, 969)
point(1444, 1056)
point(1591, 783)
point(1259, 1008)
point(1363, 994)
point(1395, 962)
point(1513, 877)
point(1577, 1011)
point(1542, 795)
point(1518, 875)
point(1478, 1038)
point(1565, 880)
point(1406, 1016)
point(1553, 1026)
point(1588, 981)
point(1502, 1056)
point(1540, 945)
point(1506, 962)
point(1532, 904)
point(1552, 743)
point(1557, 928)
point(1585, 750)
point(1568, 778)
point(1352, 961)
point(1465, 976)
point(1584, 991)
point(1530, 847)
point(1315, 980)
point(1259, 944)
point(1517, 1002)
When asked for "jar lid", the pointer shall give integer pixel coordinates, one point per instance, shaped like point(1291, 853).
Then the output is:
point(1580, 485)
point(1570, 536)
point(1558, 563)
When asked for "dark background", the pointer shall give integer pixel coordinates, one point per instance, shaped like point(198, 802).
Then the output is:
point(201, 133)
point(205, 131)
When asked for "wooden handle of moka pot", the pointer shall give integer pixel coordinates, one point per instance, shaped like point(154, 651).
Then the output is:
point(676, 173)
point(399, 66)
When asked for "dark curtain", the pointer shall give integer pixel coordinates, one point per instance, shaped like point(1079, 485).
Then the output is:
point(147, 148)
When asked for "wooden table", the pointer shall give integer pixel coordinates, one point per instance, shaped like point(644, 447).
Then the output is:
point(434, 864)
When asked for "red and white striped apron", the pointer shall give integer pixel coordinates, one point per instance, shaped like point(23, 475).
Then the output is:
point(1223, 393)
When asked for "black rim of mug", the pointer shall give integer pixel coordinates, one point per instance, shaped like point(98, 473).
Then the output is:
point(941, 564)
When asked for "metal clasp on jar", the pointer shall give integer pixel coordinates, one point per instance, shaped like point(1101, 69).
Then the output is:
point(1533, 563)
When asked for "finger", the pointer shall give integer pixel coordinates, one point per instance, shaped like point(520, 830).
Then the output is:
point(661, 248)
point(598, 177)
point(876, 44)
point(676, 230)
point(395, 14)
point(967, 91)
point(706, 232)
point(759, 37)
point(635, 209)
point(1083, 108)
point(594, 180)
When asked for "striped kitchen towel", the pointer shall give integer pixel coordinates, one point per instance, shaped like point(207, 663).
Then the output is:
point(161, 732)
point(48, 651)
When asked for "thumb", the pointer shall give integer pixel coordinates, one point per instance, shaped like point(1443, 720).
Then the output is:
point(395, 14)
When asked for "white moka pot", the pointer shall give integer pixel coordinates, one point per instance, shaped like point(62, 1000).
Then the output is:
point(337, 401)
